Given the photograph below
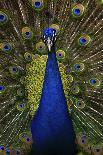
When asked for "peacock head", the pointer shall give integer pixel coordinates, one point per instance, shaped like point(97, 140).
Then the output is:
point(49, 37)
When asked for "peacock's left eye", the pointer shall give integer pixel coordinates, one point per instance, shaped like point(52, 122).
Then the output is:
point(78, 10)
point(79, 67)
point(80, 104)
point(3, 18)
point(27, 33)
point(84, 40)
point(95, 82)
point(60, 54)
point(37, 4)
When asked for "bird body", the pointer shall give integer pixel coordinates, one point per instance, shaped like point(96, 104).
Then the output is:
point(51, 98)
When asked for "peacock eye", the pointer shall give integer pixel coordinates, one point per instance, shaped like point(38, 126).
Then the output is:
point(14, 70)
point(80, 104)
point(20, 92)
point(37, 4)
point(97, 150)
point(79, 67)
point(28, 140)
point(75, 89)
point(60, 54)
point(8, 151)
point(28, 57)
point(3, 18)
point(17, 152)
point(41, 48)
point(27, 33)
point(21, 106)
point(82, 140)
point(2, 89)
point(6, 47)
point(95, 82)
point(84, 40)
point(2, 148)
point(78, 10)
point(24, 137)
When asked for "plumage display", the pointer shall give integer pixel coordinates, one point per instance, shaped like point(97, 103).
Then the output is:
point(51, 77)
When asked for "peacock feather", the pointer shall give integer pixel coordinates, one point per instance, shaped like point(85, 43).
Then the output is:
point(51, 77)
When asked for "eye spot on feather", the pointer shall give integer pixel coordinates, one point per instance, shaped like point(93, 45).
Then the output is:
point(97, 150)
point(75, 89)
point(27, 33)
point(14, 70)
point(25, 138)
point(94, 82)
point(37, 4)
point(82, 140)
point(2, 148)
point(2, 88)
point(8, 151)
point(21, 106)
point(84, 40)
point(41, 48)
point(6, 47)
point(3, 18)
point(78, 10)
point(28, 57)
point(60, 54)
point(79, 67)
point(20, 92)
point(80, 104)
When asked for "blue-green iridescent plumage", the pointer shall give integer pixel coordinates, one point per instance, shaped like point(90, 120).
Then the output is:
point(23, 57)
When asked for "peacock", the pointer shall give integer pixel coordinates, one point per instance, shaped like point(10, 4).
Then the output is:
point(51, 77)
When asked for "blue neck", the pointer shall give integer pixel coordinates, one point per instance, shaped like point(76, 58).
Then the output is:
point(51, 127)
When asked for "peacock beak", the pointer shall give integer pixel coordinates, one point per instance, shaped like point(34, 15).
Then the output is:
point(49, 44)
